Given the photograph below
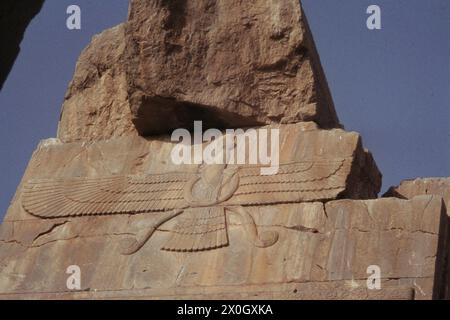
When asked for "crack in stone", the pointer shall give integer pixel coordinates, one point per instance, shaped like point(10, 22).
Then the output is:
point(52, 241)
point(49, 231)
point(424, 232)
point(299, 228)
point(82, 237)
point(32, 245)
point(13, 241)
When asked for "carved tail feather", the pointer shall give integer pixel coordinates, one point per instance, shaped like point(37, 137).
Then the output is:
point(261, 240)
point(199, 230)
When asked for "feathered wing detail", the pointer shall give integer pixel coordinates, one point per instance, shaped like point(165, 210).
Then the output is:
point(295, 182)
point(198, 230)
point(103, 196)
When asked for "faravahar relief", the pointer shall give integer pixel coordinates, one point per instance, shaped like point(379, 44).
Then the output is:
point(202, 200)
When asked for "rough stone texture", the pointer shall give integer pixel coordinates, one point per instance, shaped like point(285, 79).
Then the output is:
point(407, 240)
point(250, 63)
point(15, 15)
point(96, 104)
point(335, 290)
point(323, 252)
point(30, 246)
point(105, 185)
point(411, 188)
point(231, 64)
point(428, 186)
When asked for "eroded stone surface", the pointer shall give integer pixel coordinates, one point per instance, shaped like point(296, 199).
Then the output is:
point(336, 290)
point(30, 243)
point(320, 247)
point(411, 188)
point(405, 239)
point(109, 200)
point(96, 105)
point(429, 186)
point(230, 64)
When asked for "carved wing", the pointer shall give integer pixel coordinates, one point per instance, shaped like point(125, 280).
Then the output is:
point(104, 196)
point(294, 182)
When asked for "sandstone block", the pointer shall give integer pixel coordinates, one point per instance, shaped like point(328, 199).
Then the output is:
point(429, 186)
point(421, 186)
point(323, 252)
point(297, 248)
point(336, 165)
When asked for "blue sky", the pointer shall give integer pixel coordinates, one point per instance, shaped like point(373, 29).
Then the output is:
point(391, 85)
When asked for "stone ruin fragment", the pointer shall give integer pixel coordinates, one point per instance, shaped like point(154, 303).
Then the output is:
point(105, 196)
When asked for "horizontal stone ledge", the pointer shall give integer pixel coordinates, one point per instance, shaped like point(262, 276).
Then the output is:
point(331, 290)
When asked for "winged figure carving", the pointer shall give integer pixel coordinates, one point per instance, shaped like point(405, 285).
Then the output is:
point(201, 199)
